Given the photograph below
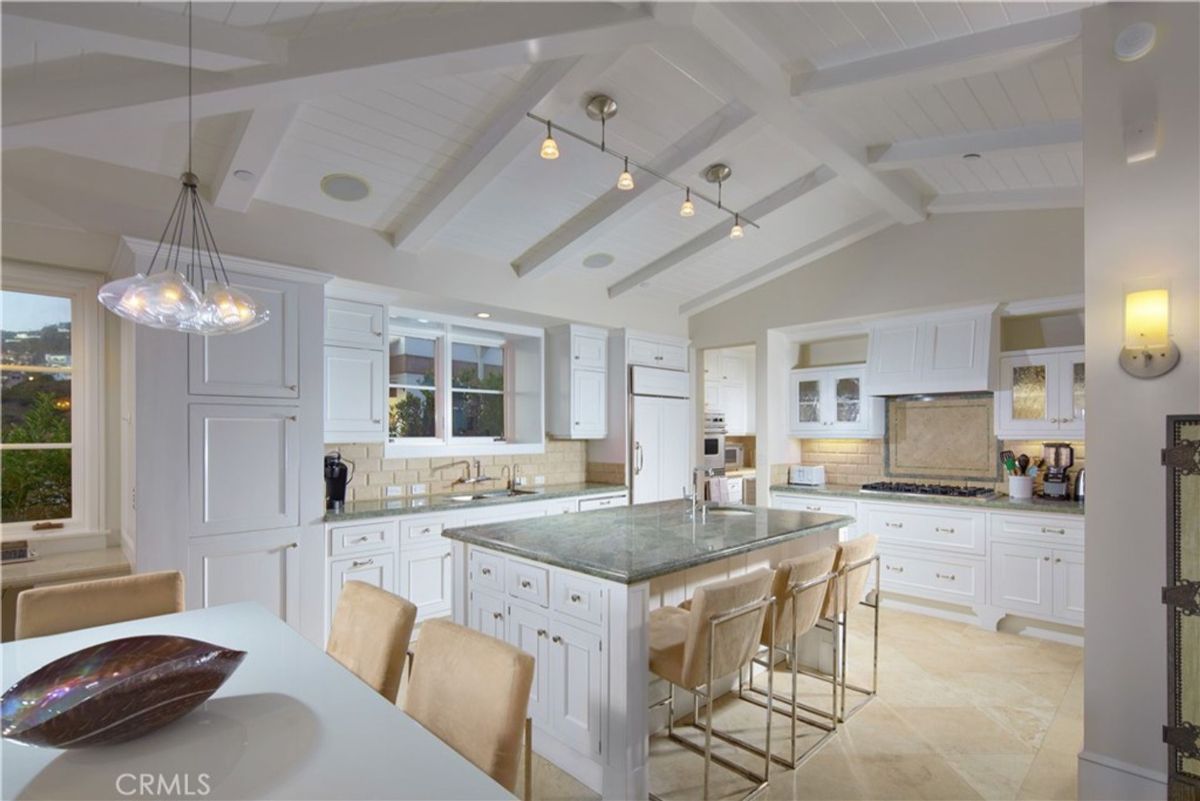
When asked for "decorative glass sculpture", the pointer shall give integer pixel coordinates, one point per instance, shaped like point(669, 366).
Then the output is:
point(115, 691)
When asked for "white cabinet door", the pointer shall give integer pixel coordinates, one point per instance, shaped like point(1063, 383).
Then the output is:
point(589, 350)
point(588, 395)
point(425, 579)
point(956, 353)
point(895, 353)
point(1071, 394)
point(1068, 586)
point(672, 356)
point(377, 569)
point(529, 630)
point(642, 351)
point(1022, 578)
point(734, 402)
point(354, 324)
point(675, 461)
point(734, 368)
point(647, 449)
point(354, 391)
point(244, 470)
point(806, 405)
point(259, 566)
point(1028, 398)
point(263, 362)
point(848, 409)
point(576, 687)
point(487, 614)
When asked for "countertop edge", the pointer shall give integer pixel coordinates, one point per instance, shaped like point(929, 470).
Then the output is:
point(549, 493)
point(1001, 503)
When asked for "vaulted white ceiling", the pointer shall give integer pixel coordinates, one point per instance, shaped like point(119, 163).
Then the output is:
point(838, 119)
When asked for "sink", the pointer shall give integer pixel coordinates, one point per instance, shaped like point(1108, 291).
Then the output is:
point(729, 511)
point(480, 496)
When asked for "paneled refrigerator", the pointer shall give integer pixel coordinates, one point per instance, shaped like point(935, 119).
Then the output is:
point(660, 439)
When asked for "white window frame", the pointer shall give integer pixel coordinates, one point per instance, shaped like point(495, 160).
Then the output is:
point(439, 347)
point(87, 400)
point(506, 397)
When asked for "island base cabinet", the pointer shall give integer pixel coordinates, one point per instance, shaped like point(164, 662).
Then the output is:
point(529, 630)
point(487, 614)
point(259, 566)
point(425, 579)
point(576, 687)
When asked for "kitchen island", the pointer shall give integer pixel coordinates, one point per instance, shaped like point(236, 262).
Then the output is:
point(576, 591)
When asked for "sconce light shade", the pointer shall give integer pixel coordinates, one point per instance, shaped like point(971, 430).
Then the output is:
point(1149, 351)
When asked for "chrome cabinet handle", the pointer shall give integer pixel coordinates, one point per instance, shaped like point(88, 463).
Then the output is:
point(291, 417)
point(526, 584)
point(949, 576)
point(292, 387)
point(363, 538)
point(944, 530)
point(497, 615)
point(1045, 558)
point(1057, 559)
point(486, 571)
point(639, 458)
point(894, 569)
point(813, 508)
point(1046, 530)
point(556, 639)
point(291, 545)
point(577, 357)
point(890, 524)
point(542, 632)
point(376, 422)
point(576, 597)
point(426, 530)
point(363, 563)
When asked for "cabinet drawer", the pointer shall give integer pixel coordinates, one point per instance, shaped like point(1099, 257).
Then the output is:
point(416, 533)
point(577, 597)
point(487, 571)
point(362, 537)
point(806, 503)
point(1046, 530)
point(588, 504)
point(925, 575)
point(528, 582)
point(952, 529)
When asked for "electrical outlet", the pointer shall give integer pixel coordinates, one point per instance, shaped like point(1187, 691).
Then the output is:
point(419, 502)
point(419, 489)
point(521, 481)
point(539, 480)
point(394, 491)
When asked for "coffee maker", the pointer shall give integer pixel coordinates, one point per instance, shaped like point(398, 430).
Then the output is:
point(337, 476)
point(1057, 458)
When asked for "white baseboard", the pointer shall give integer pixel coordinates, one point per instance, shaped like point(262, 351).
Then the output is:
point(982, 617)
point(1102, 778)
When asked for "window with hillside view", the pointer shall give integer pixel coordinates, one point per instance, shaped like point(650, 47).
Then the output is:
point(412, 390)
point(477, 387)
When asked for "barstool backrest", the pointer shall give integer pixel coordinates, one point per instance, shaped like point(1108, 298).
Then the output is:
point(788, 575)
point(851, 552)
point(735, 639)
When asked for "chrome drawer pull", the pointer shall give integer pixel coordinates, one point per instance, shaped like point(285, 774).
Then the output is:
point(363, 538)
point(363, 563)
point(542, 632)
point(1045, 558)
point(813, 508)
point(576, 597)
point(556, 639)
point(895, 569)
point(949, 576)
point(944, 530)
point(486, 571)
point(497, 615)
point(1057, 560)
point(890, 524)
point(526, 584)
point(1053, 530)
point(426, 530)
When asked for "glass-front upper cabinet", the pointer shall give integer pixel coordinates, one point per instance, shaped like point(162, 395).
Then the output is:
point(1041, 394)
point(830, 402)
point(807, 396)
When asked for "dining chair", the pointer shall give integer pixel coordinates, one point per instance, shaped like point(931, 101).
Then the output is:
point(472, 692)
point(800, 587)
point(712, 636)
point(370, 633)
point(82, 604)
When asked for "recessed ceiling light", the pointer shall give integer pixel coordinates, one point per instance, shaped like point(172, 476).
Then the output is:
point(483, 315)
point(341, 186)
point(972, 156)
point(1135, 41)
point(243, 175)
point(598, 261)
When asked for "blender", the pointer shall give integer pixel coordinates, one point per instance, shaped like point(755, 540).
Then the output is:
point(1057, 458)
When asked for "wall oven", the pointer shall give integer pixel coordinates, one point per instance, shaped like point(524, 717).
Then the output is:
point(714, 439)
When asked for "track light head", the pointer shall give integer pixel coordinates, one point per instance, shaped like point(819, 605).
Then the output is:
point(549, 149)
point(625, 180)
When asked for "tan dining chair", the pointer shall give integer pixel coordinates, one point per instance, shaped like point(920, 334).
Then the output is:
point(856, 560)
point(472, 692)
point(83, 604)
point(713, 635)
point(800, 588)
point(369, 635)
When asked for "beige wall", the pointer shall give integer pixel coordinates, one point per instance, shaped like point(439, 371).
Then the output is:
point(1140, 223)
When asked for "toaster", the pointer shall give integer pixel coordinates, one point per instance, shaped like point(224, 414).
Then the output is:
point(806, 476)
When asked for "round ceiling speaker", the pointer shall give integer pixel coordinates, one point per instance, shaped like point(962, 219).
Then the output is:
point(597, 261)
point(1135, 41)
point(341, 186)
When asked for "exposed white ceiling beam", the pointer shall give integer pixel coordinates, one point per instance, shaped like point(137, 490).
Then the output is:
point(729, 54)
point(776, 200)
point(1010, 141)
point(125, 29)
point(960, 57)
point(491, 152)
point(1054, 197)
point(834, 240)
point(251, 149)
point(616, 205)
point(477, 38)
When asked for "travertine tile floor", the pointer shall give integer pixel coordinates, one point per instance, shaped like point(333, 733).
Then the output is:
point(962, 714)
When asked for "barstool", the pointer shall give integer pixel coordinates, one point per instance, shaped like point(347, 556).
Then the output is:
point(800, 589)
point(712, 637)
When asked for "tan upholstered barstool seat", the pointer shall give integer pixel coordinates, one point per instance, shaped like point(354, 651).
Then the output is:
point(369, 635)
point(83, 604)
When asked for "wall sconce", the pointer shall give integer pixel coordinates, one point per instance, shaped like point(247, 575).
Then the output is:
point(1149, 351)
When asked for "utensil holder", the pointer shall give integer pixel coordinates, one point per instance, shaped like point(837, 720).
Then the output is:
point(1020, 487)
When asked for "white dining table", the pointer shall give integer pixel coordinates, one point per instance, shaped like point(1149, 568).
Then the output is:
point(290, 723)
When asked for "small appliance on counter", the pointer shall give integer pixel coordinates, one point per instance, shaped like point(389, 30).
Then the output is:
point(805, 476)
point(1080, 480)
point(1057, 457)
point(337, 476)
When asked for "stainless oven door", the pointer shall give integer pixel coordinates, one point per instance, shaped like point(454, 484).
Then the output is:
point(714, 450)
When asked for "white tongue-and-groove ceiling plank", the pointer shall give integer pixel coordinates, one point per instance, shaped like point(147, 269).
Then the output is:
point(250, 152)
point(132, 32)
point(486, 157)
point(479, 37)
point(962, 57)
point(915, 153)
point(1056, 197)
point(616, 206)
point(720, 231)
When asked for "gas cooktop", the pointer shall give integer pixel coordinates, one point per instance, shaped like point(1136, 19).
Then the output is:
point(945, 490)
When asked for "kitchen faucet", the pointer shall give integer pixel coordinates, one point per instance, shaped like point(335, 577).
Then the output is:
point(697, 489)
point(466, 477)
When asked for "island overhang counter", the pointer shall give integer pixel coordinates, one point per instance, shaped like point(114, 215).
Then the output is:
point(576, 591)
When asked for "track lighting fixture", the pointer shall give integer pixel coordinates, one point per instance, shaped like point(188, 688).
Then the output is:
point(736, 231)
point(688, 209)
point(549, 146)
point(625, 180)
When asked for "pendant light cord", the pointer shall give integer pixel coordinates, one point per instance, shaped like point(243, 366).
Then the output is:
point(189, 86)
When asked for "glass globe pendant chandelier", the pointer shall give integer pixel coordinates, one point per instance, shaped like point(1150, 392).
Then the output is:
point(190, 290)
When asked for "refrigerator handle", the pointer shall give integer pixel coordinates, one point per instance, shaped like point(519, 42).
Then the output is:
point(638, 458)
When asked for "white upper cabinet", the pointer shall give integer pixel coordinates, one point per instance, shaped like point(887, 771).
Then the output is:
point(263, 362)
point(831, 402)
point(653, 350)
point(728, 384)
point(577, 382)
point(1041, 394)
point(354, 324)
point(354, 393)
point(952, 351)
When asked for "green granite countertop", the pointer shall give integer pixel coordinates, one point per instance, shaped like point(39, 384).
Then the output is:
point(999, 503)
point(428, 504)
point(630, 544)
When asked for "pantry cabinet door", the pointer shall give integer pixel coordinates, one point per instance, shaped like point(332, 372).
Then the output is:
point(259, 566)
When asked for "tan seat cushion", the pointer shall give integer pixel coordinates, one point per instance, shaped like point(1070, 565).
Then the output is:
point(472, 692)
point(83, 604)
point(788, 574)
point(849, 552)
point(668, 635)
point(370, 633)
